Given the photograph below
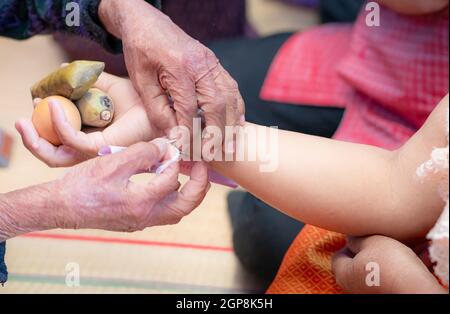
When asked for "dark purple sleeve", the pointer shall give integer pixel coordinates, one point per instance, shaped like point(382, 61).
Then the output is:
point(21, 19)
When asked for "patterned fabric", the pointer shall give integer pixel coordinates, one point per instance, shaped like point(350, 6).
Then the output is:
point(21, 19)
point(389, 79)
point(3, 271)
point(303, 67)
point(306, 268)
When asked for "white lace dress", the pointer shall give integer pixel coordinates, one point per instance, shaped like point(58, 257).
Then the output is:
point(438, 168)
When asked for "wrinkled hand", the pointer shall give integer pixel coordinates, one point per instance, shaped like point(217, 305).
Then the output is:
point(130, 126)
point(98, 193)
point(162, 59)
point(400, 269)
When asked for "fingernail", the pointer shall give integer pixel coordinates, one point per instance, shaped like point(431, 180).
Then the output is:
point(162, 145)
point(55, 105)
point(35, 145)
point(242, 119)
point(105, 150)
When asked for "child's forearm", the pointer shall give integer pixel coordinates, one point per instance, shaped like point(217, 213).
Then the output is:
point(354, 189)
point(335, 185)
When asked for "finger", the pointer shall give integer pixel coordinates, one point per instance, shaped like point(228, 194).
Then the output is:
point(165, 183)
point(357, 244)
point(80, 141)
point(182, 91)
point(234, 101)
point(192, 193)
point(106, 81)
point(139, 158)
point(211, 100)
point(141, 130)
point(158, 108)
point(342, 268)
point(43, 150)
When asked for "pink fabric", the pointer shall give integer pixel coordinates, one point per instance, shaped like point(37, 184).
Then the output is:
point(389, 78)
point(305, 70)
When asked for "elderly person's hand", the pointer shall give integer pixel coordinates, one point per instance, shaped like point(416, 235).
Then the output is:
point(163, 60)
point(99, 194)
point(379, 264)
point(130, 126)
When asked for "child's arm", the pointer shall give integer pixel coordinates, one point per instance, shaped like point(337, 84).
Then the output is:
point(353, 189)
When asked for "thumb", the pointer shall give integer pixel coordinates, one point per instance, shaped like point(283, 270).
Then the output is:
point(139, 158)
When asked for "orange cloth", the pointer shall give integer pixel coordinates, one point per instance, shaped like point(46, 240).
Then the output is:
point(306, 267)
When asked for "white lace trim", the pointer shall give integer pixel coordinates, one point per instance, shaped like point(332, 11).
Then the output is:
point(438, 167)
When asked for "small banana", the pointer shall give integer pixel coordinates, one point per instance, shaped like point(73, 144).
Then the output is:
point(71, 81)
point(96, 108)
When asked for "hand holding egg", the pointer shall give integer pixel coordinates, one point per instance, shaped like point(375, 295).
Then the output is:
point(72, 81)
point(112, 106)
point(42, 119)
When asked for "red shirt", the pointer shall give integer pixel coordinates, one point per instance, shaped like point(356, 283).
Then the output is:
point(389, 78)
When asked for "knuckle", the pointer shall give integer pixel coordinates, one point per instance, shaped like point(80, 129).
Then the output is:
point(209, 54)
point(191, 202)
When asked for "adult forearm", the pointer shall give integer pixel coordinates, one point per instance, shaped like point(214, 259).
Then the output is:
point(119, 15)
point(28, 210)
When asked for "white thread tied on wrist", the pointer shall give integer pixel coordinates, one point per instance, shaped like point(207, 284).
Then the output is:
point(158, 168)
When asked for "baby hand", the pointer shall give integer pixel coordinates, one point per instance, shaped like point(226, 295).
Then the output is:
point(379, 264)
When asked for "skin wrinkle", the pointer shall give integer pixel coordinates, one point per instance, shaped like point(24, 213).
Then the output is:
point(98, 194)
point(177, 63)
point(18, 217)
